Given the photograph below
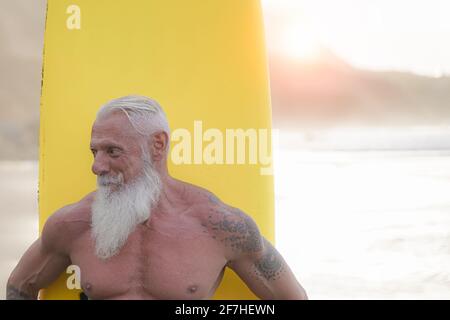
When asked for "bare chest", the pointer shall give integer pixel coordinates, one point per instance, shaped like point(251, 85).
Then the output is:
point(165, 263)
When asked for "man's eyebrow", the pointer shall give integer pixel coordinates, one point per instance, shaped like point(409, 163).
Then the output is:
point(105, 145)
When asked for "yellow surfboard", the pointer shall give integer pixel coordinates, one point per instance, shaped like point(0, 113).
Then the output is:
point(204, 61)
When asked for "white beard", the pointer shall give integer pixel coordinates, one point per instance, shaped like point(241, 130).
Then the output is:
point(115, 214)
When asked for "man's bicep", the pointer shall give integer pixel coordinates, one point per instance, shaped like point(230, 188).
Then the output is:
point(39, 266)
point(268, 275)
point(252, 257)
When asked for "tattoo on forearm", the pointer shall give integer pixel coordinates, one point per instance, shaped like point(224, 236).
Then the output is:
point(13, 293)
point(271, 264)
point(238, 230)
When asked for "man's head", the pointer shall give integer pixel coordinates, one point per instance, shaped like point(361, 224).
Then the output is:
point(130, 141)
point(126, 130)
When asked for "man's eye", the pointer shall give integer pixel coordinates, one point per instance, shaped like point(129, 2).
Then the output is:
point(94, 152)
point(113, 152)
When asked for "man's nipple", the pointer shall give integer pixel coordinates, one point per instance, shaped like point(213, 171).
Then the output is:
point(192, 289)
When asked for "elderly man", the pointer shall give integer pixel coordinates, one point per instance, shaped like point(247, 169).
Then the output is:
point(143, 234)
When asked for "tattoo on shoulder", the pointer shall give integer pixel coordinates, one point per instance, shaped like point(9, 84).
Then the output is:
point(13, 293)
point(270, 265)
point(213, 199)
point(237, 230)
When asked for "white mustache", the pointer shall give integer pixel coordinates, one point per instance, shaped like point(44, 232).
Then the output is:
point(110, 180)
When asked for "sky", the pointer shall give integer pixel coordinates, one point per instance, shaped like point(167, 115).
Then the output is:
point(401, 35)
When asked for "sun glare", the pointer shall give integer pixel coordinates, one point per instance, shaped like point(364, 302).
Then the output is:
point(380, 35)
point(299, 43)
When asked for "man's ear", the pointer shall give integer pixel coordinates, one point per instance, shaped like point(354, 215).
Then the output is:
point(158, 145)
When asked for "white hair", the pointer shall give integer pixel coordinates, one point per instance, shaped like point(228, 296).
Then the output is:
point(145, 114)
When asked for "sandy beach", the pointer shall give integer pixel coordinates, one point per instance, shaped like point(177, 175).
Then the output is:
point(19, 214)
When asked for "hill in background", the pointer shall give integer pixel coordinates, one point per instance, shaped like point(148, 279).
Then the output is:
point(328, 91)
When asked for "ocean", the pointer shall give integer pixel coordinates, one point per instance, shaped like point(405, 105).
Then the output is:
point(365, 220)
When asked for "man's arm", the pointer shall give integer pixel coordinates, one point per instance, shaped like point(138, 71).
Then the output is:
point(41, 264)
point(252, 257)
point(266, 273)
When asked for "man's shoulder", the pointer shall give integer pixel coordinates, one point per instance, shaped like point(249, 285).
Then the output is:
point(68, 222)
point(205, 204)
point(79, 211)
point(197, 195)
point(229, 225)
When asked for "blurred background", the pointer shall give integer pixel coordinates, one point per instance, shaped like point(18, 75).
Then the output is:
point(361, 99)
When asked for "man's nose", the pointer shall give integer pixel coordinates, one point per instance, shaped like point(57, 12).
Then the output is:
point(101, 165)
